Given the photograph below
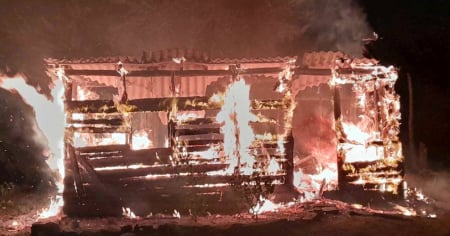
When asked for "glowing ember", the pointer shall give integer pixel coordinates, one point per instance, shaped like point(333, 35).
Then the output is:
point(50, 120)
point(405, 211)
point(210, 154)
point(235, 116)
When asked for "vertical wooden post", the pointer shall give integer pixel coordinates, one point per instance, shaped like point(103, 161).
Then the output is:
point(411, 142)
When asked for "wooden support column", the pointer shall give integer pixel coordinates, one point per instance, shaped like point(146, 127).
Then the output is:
point(75, 170)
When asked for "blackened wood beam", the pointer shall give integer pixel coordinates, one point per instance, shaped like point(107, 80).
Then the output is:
point(112, 122)
point(105, 148)
point(99, 130)
point(169, 73)
point(194, 103)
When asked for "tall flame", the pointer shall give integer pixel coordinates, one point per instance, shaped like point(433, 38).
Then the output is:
point(235, 116)
point(50, 120)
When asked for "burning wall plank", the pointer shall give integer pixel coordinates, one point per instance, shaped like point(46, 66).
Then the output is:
point(363, 134)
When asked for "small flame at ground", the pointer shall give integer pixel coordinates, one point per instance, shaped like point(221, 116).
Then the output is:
point(128, 213)
point(264, 205)
point(55, 207)
point(176, 214)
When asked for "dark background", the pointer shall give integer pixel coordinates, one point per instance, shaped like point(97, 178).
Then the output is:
point(413, 35)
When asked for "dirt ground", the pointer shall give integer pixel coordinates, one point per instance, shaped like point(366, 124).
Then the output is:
point(18, 212)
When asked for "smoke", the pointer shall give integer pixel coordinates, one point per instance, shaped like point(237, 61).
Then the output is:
point(434, 184)
point(334, 25)
point(250, 28)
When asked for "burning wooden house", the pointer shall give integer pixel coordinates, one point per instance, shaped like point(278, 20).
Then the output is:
point(176, 129)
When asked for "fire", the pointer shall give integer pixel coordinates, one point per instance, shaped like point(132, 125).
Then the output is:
point(50, 118)
point(128, 213)
point(189, 115)
point(140, 140)
point(210, 154)
point(84, 94)
point(53, 209)
point(264, 205)
point(405, 211)
point(235, 117)
point(273, 167)
point(89, 139)
point(176, 214)
point(123, 167)
point(359, 153)
point(353, 133)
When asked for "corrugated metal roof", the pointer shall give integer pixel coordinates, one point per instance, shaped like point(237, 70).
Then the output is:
point(330, 59)
point(166, 56)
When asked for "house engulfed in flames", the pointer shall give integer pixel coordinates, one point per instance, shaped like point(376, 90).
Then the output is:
point(176, 129)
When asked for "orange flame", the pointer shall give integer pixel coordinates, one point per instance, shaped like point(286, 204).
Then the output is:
point(140, 140)
point(235, 116)
point(50, 120)
point(264, 205)
point(128, 213)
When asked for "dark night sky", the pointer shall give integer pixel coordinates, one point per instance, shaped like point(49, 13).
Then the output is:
point(415, 37)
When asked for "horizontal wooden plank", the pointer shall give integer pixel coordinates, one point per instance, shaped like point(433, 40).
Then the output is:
point(163, 181)
point(130, 157)
point(199, 142)
point(99, 130)
point(186, 126)
point(110, 122)
point(194, 103)
point(197, 137)
point(105, 148)
point(159, 170)
point(197, 131)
